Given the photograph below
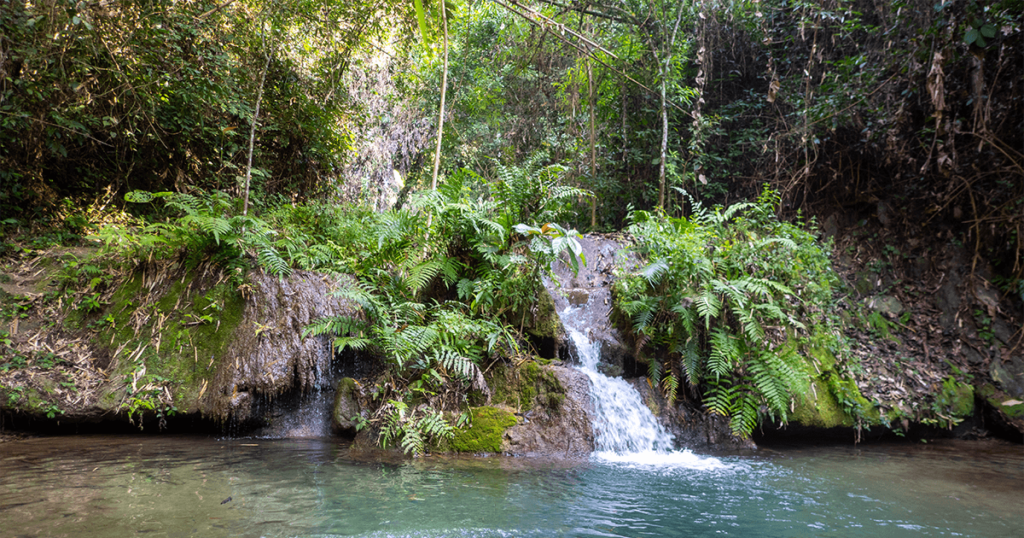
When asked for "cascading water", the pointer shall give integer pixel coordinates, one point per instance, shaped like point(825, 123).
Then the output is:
point(304, 414)
point(626, 430)
point(623, 423)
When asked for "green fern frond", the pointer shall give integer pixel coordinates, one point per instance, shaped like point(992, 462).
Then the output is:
point(692, 363)
point(751, 326)
point(744, 416)
point(458, 365)
point(653, 272)
point(272, 263)
point(336, 326)
point(420, 275)
point(724, 352)
point(719, 399)
point(412, 441)
point(784, 241)
point(654, 371)
point(709, 306)
point(670, 386)
point(732, 210)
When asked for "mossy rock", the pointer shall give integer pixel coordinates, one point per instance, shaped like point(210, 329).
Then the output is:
point(1013, 408)
point(955, 398)
point(544, 323)
point(527, 387)
point(825, 359)
point(189, 330)
point(346, 406)
point(820, 408)
point(486, 432)
point(832, 401)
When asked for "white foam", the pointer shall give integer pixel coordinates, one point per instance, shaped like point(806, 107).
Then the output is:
point(676, 459)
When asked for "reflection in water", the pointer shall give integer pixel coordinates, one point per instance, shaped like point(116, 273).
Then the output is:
point(172, 486)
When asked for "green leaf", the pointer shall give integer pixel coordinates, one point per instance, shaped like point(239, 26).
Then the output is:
point(138, 197)
point(971, 36)
point(421, 21)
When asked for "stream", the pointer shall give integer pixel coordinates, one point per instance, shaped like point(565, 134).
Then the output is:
point(168, 486)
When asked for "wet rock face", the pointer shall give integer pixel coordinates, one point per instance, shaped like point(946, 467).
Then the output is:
point(588, 293)
point(268, 355)
point(564, 430)
point(691, 428)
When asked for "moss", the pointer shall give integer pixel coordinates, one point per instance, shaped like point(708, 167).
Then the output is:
point(529, 373)
point(545, 322)
point(833, 400)
point(820, 408)
point(485, 434)
point(955, 398)
point(527, 387)
point(182, 341)
point(825, 359)
point(170, 297)
point(1013, 411)
point(999, 400)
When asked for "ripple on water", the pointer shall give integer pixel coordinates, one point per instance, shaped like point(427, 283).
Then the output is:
point(98, 487)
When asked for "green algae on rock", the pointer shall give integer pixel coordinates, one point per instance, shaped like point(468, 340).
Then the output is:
point(486, 431)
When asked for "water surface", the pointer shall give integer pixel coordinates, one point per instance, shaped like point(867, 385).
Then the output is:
point(182, 486)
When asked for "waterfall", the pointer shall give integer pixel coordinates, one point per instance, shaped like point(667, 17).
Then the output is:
point(299, 414)
point(622, 423)
point(626, 430)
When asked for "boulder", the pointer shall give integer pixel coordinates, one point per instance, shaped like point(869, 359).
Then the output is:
point(556, 430)
point(346, 408)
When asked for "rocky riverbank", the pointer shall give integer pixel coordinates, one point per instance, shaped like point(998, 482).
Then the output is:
point(145, 347)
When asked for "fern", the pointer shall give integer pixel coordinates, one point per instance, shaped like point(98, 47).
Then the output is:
point(654, 371)
point(693, 364)
point(711, 286)
point(724, 353)
point(412, 441)
point(719, 398)
point(709, 306)
point(453, 362)
point(744, 415)
point(653, 272)
point(670, 386)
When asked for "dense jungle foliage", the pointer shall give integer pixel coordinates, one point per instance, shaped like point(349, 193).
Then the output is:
point(302, 134)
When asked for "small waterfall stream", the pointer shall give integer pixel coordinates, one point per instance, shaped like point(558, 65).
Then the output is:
point(625, 428)
point(299, 414)
point(623, 424)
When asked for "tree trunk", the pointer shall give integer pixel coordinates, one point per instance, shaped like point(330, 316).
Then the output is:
point(664, 72)
point(444, 90)
point(664, 136)
point(252, 135)
point(593, 145)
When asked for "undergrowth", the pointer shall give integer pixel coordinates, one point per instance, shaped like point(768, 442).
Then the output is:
point(727, 302)
point(442, 286)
